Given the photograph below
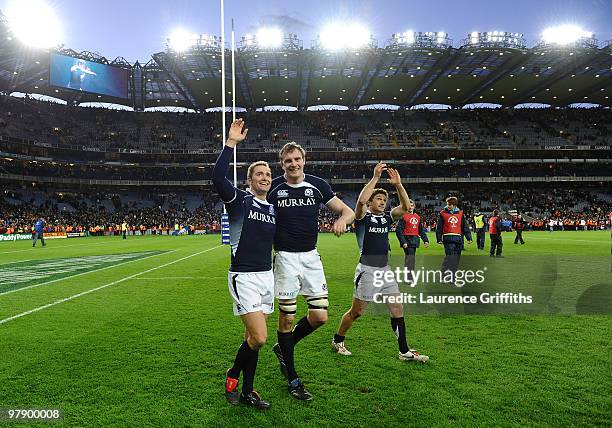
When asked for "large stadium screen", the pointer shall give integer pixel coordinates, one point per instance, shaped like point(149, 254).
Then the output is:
point(87, 76)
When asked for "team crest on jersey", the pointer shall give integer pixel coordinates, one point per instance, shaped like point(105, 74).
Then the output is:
point(383, 220)
point(308, 192)
point(271, 209)
point(282, 193)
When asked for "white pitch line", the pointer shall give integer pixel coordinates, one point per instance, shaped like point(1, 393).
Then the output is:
point(552, 238)
point(166, 278)
point(66, 299)
point(82, 273)
point(59, 246)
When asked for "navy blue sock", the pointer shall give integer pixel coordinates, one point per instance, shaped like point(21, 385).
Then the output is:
point(301, 330)
point(399, 328)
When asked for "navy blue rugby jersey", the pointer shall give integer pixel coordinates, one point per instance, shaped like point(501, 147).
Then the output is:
point(372, 233)
point(297, 211)
point(252, 222)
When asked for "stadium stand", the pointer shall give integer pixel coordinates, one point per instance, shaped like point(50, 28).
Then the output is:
point(91, 168)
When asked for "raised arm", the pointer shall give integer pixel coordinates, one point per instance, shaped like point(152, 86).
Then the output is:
point(404, 206)
point(225, 188)
point(362, 201)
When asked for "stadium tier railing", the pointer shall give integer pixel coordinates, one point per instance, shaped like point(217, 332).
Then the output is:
point(171, 183)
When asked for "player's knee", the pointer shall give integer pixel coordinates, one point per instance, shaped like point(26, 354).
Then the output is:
point(357, 312)
point(257, 340)
point(317, 318)
point(396, 310)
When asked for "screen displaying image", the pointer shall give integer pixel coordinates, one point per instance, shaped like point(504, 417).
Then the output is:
point(87, 76)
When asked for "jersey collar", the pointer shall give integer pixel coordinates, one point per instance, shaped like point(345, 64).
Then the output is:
point(248, 190)
point(295, 185)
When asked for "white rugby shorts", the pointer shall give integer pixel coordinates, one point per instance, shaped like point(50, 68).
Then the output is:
point(370, 280)
point(299, 273)
point(251, 291)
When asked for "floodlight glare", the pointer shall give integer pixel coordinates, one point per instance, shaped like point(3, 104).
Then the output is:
point(269, 37)
point(180, 40)
point(565, 34)
point(341, 36)
point(34, 22)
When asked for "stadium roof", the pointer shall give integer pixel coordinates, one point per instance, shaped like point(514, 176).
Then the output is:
point(399, 74)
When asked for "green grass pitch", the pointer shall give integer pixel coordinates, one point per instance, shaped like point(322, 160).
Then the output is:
point(150, 344)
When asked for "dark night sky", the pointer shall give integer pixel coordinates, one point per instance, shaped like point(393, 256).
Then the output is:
point(136, 29)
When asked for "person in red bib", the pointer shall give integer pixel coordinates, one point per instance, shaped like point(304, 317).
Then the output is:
point(495, 231)
point(519, 226)
point(408, 230)
point(450, 231)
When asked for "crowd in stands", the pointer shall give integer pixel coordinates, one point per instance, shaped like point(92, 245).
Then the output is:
point(104, 212)
point(338, 171)
point(88, 212)
point(112, 130)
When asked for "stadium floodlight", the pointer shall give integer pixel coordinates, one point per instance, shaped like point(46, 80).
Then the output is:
point(565, 34)
point(344, 36)
point(249, 39)
point(428, 39)
point(269, 37)
point(497, 39)
point(181, 39)
point(34, 22)
point(407, 37)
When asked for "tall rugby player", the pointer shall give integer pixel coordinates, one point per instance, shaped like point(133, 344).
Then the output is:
point(297, 265)
point(372, 227)
point(250, 279)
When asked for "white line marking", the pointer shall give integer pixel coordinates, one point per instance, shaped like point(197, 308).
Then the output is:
point(59, 246)
point(66, 299)
point(551, 238)
point(18, 261)
point(167, 278)
point(82, 273)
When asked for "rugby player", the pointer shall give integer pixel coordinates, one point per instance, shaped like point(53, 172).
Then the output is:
point(250, 279)
point(298, 269)
point(372, 227)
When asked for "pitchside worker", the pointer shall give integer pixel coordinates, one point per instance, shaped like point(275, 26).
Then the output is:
point(481, 229)
point(495, 231)
point(450, 230)
point(124, 228)
point(39, 231)
point(408, 230)
point(297, 264)
point(519, 226)
point(372, 226)
point(250, 279)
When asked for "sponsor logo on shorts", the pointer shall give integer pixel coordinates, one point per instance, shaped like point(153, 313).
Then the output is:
point(285, 293)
